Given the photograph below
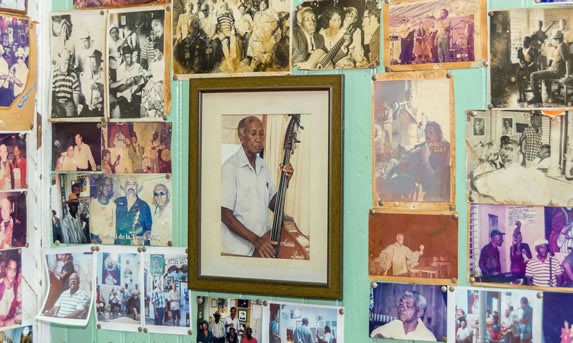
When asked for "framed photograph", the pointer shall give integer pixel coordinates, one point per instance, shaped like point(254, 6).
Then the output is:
point(529, 49)
point(500, 314)
point(242, 316)
point(430, 34)
point(346, 35)
point(16, 6)
point(214, 303)
point(413, 247)
point(91, 4)
point(519, 246)
point(392, 305)
point(77, 147)
point(236, 38)
point(270, 119)
point(412, 141)
point(522, 159)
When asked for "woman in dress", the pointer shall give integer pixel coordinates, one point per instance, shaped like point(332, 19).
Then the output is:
point(518, 252)
point(336, 41)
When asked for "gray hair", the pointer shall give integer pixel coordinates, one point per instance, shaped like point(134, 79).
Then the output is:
point(419, 300)
point(244, 123)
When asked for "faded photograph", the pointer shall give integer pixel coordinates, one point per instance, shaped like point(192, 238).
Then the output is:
point(70, 203)
point(229, 320)
point(131, 209)
point(135, 148)
point(224, 37)
point(13, 162)
point(13, 230)
point(136, 70)
point(336, 35)
point(299, 323)
point(17, 5)
point(411, 140)
point(408, 312)
point(167, 288)
point(412, 246)
point(433, 31)
point(22, 334)
point(557, 317)
point(77, 53)
point(538, 251)
point(497, 316)
point(14, 58)
point(522, 159)
point(530, 50)
point(114, 3)
point(76, 147)
point(11, 285)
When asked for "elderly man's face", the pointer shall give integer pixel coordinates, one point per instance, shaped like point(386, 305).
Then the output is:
point(131, 187)
point(407, 311)
point(74, 282)
point(400, 238)
point(309, 22)
point(253, 137)
point(160, 195)
point(508, 153)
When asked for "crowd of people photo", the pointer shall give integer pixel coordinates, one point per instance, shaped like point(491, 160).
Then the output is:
point(14, 58)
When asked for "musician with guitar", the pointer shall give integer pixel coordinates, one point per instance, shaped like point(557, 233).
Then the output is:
point(127, 89)
point(305, 37)
point(248, 193)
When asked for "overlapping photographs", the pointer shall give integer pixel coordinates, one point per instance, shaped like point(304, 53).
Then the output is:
point(119, 285)
point(130, 148)
point(412, 140)
point(22, 334)
point(114, 3)
point(167, 287)
point(12, 161)
point(336, 35)
point(71, 275)
point(77, 147)
point(519, 158)
point(222, 38)
point(70, 205)
point(529, 49)
point(137, 54)
point(538, 251)
point(290, 322)
point(496, 316)
point(408, 312)
point(434, 33)
point(231, 319)
point(413, 247)
point(78, 71)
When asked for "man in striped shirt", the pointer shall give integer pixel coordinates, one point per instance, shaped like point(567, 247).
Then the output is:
point(72, 303)
point(65, 89)
point(159, 303)
point(543, 270)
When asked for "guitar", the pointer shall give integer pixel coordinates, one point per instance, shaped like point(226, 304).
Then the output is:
point(322, 59)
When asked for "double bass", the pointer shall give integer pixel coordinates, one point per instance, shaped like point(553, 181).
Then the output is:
point(284, 231)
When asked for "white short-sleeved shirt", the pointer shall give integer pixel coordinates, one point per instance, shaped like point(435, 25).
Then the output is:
point(395, 329)
point(247, 192)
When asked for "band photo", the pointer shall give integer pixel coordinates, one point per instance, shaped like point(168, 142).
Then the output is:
point(421, 34)
point(218, 320)
point(556, 317)
point(78, 69)
point(336, 35)
point(213, 38)
point(131, 209)
point(497, 316)
point(13, 216)
point(529, 60)
point(119, 289)
point(412, 139)
point(521, 159)
point(166, 291)
point(137, 43)
point(13, 161)
point(70, 294)
point(408, 312)
point(114, 3)
point(76, 147)
point(412, 247)
point(70, 204)
point(14, 58)
point(135, 148)
point(290, 322)
point(539, 248)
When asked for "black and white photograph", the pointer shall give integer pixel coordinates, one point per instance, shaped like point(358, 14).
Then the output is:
point(412, 139)
point(518, 245)
point(478, 127)
point(167, 288)
point(70, 294)
point(408, 312)
point(119, 295)
point(425, 34)
point(496, 316)
point(78, 69)
point(22, 335)
point(291, 322)
point(19, 6)
point(136, 48)
point(336, 35)
point(13, 162)
point(114, 3)
point(530, 50)
point(232, 37)
point(76, 147)
point(136, 148)
point(131, 209)
point(70, 204)
point(13, 230)
point(522, 159)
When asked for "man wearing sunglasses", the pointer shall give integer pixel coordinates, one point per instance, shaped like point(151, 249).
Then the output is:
point(162, 217)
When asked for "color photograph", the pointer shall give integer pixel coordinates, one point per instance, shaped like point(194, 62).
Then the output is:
point(13, 229)
point(114, 3)
point(11, 283)
point(70, 203)
point(557, 317)
point(76, 147)
point(18, 335)
point(13, 161)
point(14, 5)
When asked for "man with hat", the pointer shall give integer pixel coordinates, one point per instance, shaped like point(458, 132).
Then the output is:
point(72, 226)
point(543, 270)
point(128, 86)
point(92, 86)
point(489, 256)
point(19, 71)
point(84, 52)
point(218, 328)
point(556, 70)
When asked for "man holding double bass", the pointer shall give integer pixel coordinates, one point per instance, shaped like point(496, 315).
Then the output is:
point(248, 193)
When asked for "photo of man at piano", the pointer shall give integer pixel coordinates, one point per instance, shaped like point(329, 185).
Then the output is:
point(258, 176)
point(413, 163)
point(412, 246)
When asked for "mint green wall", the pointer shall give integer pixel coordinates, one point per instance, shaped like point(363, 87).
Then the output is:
point(471, 93)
